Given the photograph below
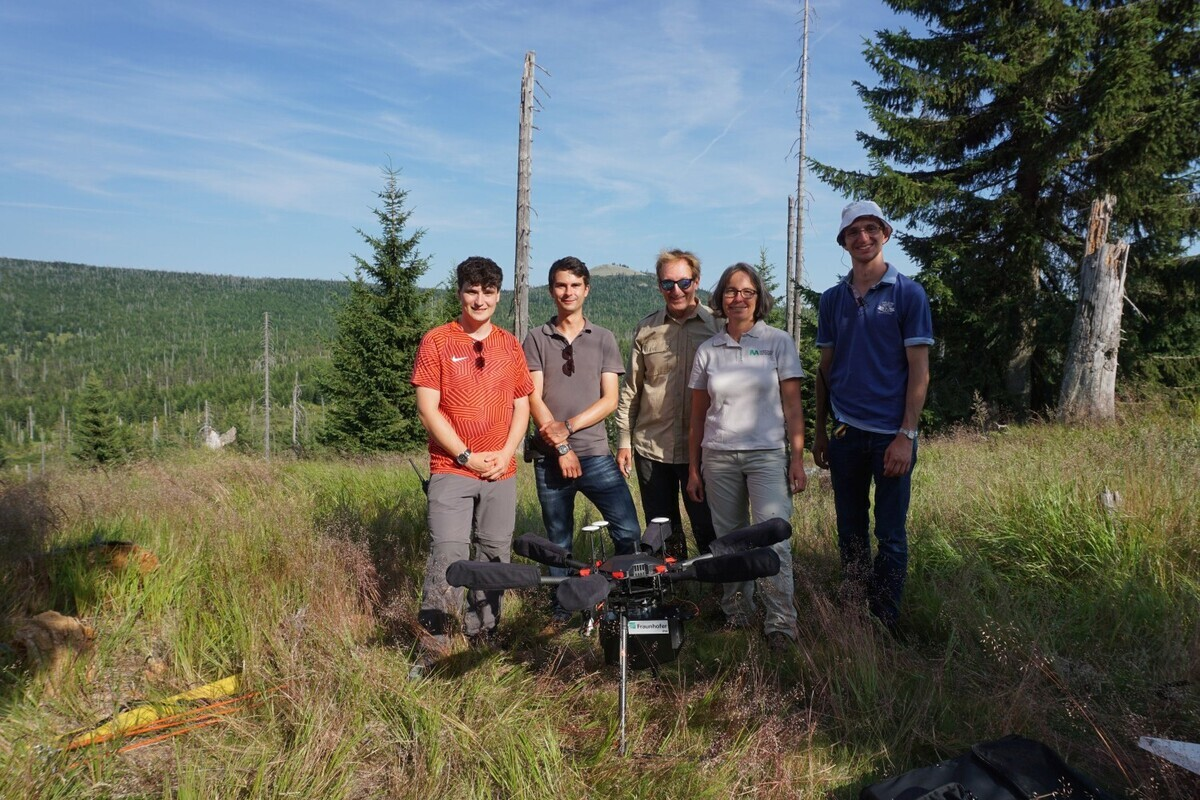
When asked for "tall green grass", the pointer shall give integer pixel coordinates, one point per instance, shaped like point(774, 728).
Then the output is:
point(1032, 607)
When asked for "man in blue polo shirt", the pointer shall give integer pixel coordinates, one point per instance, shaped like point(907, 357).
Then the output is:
point(874, 331)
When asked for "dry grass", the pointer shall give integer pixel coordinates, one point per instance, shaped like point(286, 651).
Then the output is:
point(1030, 608)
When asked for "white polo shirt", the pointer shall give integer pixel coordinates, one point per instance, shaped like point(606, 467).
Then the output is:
point(745, 410)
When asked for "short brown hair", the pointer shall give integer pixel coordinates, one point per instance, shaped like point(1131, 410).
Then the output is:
point(667, 256)
point(763, 302)
point(572, 265)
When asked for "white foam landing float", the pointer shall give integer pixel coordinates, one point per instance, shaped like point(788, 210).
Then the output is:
point(1183, 754)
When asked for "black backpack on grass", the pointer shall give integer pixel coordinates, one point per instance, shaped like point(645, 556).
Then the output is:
point(1012, 768)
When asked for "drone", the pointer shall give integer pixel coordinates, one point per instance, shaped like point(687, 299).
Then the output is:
point(629, 594)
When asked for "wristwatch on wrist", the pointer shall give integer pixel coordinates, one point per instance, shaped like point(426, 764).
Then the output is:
point(563, 449)
point(463, 457)
point(911, 434)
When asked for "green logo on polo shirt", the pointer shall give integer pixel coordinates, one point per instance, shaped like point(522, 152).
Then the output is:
point(755, 352)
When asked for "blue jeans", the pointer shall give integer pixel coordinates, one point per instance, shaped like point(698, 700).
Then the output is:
point(855, 460)
point(603, 484)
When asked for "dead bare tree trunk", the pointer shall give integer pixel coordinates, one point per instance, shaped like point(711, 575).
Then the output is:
point(802, 112)
point(267, 385)
point(791, 268)
point(296, 412)
point(524, 173)
point(1090, 373)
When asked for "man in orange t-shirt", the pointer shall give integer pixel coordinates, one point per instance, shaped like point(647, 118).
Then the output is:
point(473, 398)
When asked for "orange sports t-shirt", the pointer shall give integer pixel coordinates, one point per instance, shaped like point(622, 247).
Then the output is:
point(478, 382)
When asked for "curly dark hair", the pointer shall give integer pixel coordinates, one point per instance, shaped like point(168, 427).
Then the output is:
point(479, 271)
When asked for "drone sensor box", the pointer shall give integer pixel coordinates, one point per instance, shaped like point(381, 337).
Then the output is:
point(650, 640)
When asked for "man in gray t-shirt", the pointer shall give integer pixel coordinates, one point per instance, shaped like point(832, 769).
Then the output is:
point(576, 369)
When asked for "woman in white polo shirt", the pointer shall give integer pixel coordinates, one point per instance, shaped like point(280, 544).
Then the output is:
point(745, 386)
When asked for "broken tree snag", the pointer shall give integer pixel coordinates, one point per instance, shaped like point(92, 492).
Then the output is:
point(524, 176)
point(1090, 370)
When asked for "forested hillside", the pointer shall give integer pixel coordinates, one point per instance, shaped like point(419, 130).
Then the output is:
point(616, 301)
point(165, 343)
point(162, 343)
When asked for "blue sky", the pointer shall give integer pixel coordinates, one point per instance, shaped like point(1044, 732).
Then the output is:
point(248, 138)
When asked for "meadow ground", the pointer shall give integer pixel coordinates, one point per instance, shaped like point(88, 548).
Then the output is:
point(1033, 607)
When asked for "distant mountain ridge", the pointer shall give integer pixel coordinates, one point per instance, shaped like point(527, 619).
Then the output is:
point(611, 270)
point(164, 342)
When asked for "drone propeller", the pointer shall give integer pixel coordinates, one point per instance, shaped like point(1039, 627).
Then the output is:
point(762, 562)
point(657, 531)
point(584, 592)
point(493, 576)
point(542, 550)
point(763, 534)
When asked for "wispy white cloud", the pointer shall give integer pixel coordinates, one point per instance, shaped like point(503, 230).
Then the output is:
point(661, 121)
point(71, 209)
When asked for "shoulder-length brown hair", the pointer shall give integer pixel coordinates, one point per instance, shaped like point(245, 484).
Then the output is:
point(763, 302)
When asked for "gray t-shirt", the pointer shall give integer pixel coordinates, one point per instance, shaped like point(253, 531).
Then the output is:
point(593, 352)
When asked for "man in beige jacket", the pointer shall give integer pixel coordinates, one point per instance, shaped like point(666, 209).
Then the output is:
point(655, 405)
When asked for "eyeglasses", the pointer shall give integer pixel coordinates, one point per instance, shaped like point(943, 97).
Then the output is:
point(869, 230)
point(479, 362)
point(568, 354)
point(666, 284)
point(747, 294)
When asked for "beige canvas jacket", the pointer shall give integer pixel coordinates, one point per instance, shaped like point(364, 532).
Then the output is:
point(652, 415)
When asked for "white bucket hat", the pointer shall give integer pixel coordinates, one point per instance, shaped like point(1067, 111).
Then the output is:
point(862, 208)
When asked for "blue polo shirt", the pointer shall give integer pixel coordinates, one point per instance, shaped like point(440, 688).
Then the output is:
point(869, 375)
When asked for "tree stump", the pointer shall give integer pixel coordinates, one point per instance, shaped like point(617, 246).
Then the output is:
point(1090, 371)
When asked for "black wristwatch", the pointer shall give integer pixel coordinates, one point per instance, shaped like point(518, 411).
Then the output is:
point(563, 449)
point(463, 457)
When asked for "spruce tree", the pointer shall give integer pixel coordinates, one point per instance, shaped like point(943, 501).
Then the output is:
point(445, 305)
point(99, 438)
point(997, 129)
point(807, 350)
point(371, 404)
point(778, 316)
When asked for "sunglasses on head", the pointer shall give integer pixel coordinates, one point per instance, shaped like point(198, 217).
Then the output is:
point(568, 354)
point(684, 284)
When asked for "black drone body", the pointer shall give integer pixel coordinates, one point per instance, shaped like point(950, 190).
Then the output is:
point(629, 595)
point(641, 588)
